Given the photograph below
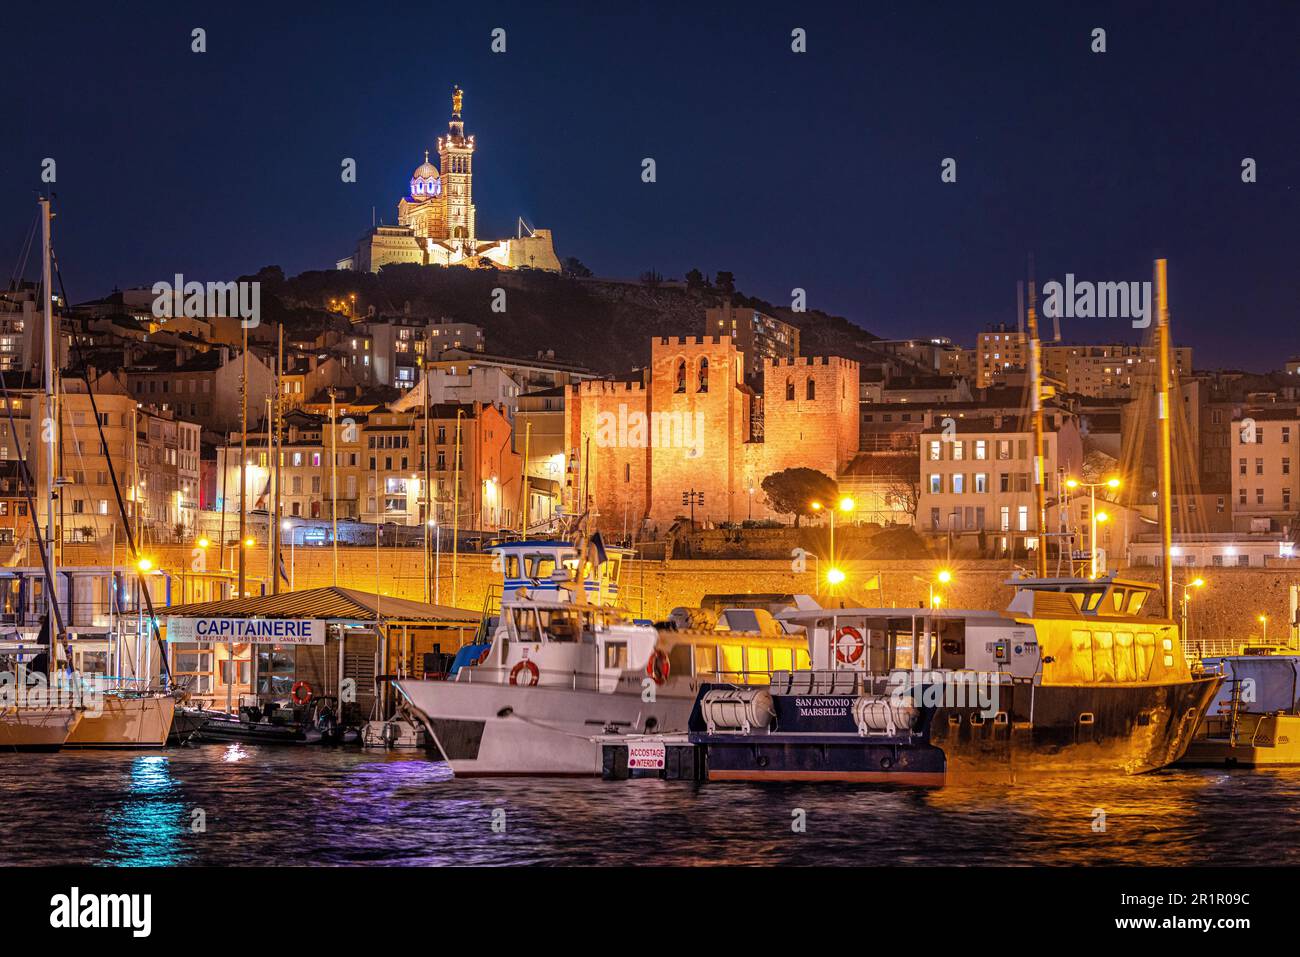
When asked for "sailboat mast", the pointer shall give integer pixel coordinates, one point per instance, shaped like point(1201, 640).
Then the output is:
point(278, 451)
point(1166, 442)
point(1036, 405)
point(50, 427)
point(242, 550)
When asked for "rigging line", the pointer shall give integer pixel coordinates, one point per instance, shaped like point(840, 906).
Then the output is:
point(20, 267)
point(31, 510)
point(117, 489)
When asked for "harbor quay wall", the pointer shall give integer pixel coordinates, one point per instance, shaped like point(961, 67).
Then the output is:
point(1227, 608)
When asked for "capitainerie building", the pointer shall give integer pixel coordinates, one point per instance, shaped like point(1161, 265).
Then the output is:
point(435, 223)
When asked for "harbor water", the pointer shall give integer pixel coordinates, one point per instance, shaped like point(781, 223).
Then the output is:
point(245, 805)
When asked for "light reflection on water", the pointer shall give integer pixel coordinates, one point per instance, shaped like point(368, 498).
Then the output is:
point(310, 805)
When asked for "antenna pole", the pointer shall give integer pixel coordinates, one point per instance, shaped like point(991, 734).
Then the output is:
point(1166, 456)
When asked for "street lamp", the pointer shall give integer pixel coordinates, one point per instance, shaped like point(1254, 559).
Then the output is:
point(943, 577)
point(1264, 621)
point(1112, 483)
point(845, 504)
point(287, 526)
point(1198, 584)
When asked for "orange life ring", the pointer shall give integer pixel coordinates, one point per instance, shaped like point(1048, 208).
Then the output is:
point(850, 651)
point(300, 686)
point(483, 657)
point(657, 667)
point(535, 676)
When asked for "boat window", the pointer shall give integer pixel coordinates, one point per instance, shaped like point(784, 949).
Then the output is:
point(512, 566)
point(525, 624)
point(1087, 599)
point(541, 566)
point(1136, 600)
point(1125, 662)
point(1081, 656)
point(801, 659)
point(679, 660)
point(616, 655)
point(1118, 597)
point(733, 661)
point(706, 660)
point(1103, 655)
point(561, 625)
point(756, 659)
point(782, 660)
point(1146, 653)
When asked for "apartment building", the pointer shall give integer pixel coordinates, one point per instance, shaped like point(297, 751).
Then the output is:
point(757, 335)
point(999, 350)
point(1266, 446)
point(977, 477)
point(1110, 370)
point(380, 470)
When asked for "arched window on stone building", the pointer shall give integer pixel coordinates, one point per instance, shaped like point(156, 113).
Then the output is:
point(681, 376)
point(812, 388)
point(703, 385)
point(789, 389)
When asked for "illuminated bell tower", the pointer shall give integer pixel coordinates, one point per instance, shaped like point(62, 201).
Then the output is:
point(456, 157)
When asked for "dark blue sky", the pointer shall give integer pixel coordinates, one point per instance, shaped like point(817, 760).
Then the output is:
point(818, 170)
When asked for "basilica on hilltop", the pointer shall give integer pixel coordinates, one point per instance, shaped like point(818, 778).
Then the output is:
point(436, 220)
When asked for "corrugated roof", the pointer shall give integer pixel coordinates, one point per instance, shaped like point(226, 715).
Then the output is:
point(343, 604)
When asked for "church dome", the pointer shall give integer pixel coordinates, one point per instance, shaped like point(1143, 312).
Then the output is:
point(424, 181)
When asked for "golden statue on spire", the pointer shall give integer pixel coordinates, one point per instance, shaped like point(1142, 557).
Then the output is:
point(456, 96)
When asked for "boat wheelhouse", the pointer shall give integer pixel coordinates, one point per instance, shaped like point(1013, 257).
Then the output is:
point(540, 566)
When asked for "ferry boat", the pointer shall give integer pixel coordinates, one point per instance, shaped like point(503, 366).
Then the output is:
point(1071, 677)
point(565, 664)
point(1254, 719)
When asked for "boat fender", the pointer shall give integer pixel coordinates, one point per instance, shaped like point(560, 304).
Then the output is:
point(848, 644)
point(301, 692)
point(657, 667)
point(534, 676)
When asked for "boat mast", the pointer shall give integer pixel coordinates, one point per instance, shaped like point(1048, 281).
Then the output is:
point(278, 452)
point(1166, 446)
point(241, 551)
point(1036, 405)
point(50, 433)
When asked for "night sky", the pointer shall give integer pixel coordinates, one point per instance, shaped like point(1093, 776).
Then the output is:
point(818, 170)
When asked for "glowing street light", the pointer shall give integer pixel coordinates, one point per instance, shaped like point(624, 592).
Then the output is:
point(835, 576)
point(203, 543)
point(250, 541)
point(1111, 483)
point(1195, 583)
point(1263, 619)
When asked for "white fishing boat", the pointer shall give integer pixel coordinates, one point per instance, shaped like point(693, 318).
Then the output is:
point(565, 664)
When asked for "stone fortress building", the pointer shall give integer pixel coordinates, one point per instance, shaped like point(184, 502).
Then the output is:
point(692, 424)
point(436, 222)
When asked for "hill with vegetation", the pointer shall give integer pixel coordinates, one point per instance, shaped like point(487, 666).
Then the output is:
point(604, 324)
